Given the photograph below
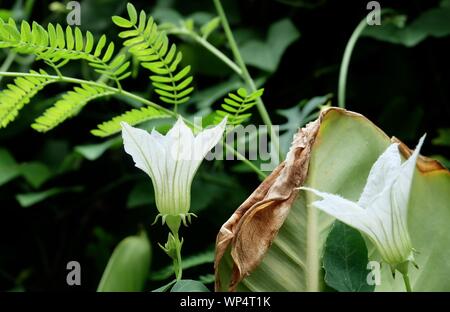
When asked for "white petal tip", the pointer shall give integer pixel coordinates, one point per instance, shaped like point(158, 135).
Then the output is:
point(224, 121)
point(304, 188)
point(123, 124)
point(422, 139)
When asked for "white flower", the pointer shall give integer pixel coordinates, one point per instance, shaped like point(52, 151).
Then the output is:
point(381, 211)
point(171, 161)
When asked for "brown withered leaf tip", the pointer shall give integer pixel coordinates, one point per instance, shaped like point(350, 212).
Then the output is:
point(424, 164)
point(252, 228)
point(250, 231)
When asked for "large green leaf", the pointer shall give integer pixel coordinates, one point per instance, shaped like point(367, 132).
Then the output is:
point(128, 267)
point(345, 259)
point(345, 147)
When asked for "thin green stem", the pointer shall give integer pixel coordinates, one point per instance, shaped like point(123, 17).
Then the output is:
point(219, 54)
point(346, 61)
point(58, 72)
point(104, 78)
point(246, 75)
point(407, 282)
point(178, 265)
point(28, 7)
point(135, 97)
point(208, 46)
point(240, 61)
point(8, 62)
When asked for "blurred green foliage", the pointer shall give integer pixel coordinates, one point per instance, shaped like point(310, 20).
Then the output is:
point(83, 193)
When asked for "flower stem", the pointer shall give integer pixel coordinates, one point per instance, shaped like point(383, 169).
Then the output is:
point(407, 282)
point(178, 266)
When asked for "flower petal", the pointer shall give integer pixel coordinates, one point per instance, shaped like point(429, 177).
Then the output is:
point(208, 138)
point(145, 150)
point(344, 210)
point(402, 186)
point(383, 173)
point(180, 130)
point(180, 141)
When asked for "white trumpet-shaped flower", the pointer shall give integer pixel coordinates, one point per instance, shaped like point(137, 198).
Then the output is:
point(171, 161)
point(381, 211)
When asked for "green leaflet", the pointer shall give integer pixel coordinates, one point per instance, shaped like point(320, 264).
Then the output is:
point(343, 153)
point(70, 105)
point(237, 105)
point(152, 49)
point(57, 46)
point(15, 96)
point(210, 27)
point(128, 267)
point(132, 117)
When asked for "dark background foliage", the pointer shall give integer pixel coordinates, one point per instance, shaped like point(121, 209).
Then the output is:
point(404, 90)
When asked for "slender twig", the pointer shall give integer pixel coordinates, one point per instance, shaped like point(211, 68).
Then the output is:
point(208, 46)
point(346, 61)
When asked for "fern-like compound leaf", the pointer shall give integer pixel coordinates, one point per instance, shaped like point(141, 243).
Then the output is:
point(16, 95)
point(132, 117)
point(68, 106)
point(237, 105)
point(152, 49)
point(57, 46)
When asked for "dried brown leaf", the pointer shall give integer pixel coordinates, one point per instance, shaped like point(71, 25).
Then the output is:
point(252, 228)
